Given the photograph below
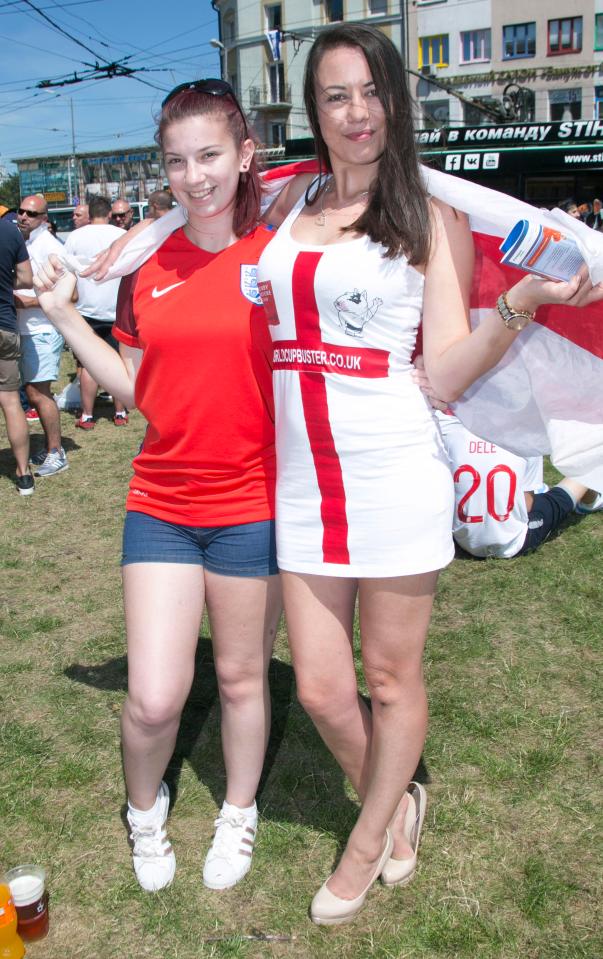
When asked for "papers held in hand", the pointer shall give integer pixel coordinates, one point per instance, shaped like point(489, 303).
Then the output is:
point(542, 250)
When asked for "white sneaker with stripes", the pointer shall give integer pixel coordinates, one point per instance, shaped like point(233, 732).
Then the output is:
point(152, 854)
point(229, 857)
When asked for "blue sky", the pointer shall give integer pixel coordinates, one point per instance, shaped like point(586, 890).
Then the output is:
point(170, 39)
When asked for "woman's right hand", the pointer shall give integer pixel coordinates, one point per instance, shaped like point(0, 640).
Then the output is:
point(54, 286)
point(102, 262)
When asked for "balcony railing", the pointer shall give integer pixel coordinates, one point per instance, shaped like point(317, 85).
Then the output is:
point(268, 96)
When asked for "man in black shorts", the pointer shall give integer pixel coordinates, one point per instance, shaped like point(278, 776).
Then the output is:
point(15, 271)
point(96, 301)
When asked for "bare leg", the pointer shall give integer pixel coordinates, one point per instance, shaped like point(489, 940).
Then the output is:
point(88, 388)
point(320, 618)
point(16, 429)
point(394, 617)
point(243, 614)
point(41, 399)
point(163, 605)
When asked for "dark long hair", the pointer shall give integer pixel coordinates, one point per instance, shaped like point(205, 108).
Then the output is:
point(397, 214)
point(194, 103)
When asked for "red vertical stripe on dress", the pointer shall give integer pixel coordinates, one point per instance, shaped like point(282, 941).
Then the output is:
point(316, 414)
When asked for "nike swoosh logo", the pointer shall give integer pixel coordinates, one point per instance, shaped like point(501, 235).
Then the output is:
point(155, 293)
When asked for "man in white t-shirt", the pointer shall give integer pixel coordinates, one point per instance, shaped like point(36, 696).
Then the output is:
point(41, 344)
point(501, 507)
point(96, 301)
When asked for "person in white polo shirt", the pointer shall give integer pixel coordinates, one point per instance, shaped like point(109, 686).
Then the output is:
point(41, 344)
point(96, 301)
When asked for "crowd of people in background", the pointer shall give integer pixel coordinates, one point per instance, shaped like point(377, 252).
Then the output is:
point(590, 213)
point(34, 364)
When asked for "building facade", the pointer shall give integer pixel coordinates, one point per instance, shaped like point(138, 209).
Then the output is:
point(263, 53)
point(66, 180)
point(508, 94)
point(537, 68)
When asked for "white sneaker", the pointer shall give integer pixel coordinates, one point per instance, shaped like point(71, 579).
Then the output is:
point(152, 854)
point(593, 507)
point(229, 857)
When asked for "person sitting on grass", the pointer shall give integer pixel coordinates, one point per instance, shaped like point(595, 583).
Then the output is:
point(502, 508)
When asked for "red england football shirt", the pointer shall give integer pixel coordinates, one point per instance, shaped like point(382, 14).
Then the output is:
point(204, 384)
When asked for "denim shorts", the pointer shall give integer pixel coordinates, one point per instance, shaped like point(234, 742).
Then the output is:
point(248, 549)
point(41, 356)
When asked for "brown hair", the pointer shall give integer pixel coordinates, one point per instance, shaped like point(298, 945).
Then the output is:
point(193, 103)
point(398, 213)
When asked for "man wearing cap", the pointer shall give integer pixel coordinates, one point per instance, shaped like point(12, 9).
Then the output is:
point(14, 268)
point(41, 344)
point(122, 214)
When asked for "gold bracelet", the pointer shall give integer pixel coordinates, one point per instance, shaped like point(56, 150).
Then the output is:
point(513, 319)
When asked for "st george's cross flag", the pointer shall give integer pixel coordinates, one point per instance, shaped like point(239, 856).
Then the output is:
point(546, 394)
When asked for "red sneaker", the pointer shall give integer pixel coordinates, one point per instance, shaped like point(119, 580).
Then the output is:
point(120, 419)
point(85, 422)
point(31, 415)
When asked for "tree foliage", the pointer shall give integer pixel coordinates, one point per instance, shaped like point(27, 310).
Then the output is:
point(10, 194)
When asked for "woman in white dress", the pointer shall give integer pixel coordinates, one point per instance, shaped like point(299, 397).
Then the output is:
point(364, 498)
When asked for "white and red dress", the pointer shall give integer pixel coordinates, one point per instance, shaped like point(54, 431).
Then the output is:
point(363, 482)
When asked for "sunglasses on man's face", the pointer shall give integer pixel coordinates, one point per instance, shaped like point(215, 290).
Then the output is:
point(211, 86)
point(30, 213)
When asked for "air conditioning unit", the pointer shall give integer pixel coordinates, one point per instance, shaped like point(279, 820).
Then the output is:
point(428, 70)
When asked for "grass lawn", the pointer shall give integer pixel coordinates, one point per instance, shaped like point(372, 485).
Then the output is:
point(510, 859)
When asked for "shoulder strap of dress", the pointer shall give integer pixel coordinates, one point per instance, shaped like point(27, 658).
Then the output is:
point(299, 205)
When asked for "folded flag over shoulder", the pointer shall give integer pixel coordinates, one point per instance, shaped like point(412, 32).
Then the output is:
point(546, 395)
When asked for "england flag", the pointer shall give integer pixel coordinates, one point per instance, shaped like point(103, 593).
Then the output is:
point(545, 397)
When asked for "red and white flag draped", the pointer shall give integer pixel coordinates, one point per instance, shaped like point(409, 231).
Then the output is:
point(546, 394)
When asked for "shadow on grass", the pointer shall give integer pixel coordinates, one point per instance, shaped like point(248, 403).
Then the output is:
point(7, 461)
point(295, 756)
point(301, 783)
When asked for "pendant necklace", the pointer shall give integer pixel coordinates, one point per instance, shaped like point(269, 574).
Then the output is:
point(322, 217)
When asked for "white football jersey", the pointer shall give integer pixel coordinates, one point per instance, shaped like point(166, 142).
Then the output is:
point(490, 515)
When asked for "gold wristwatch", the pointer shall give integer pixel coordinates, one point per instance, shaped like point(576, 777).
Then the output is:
point(513, 319)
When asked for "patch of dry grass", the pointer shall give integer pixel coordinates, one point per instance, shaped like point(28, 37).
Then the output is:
point(509, 855)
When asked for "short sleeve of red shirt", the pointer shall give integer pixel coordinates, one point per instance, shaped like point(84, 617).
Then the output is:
point(204, 384)
point(125, 329)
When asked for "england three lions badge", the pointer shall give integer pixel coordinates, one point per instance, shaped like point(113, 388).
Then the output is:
point(249, 283)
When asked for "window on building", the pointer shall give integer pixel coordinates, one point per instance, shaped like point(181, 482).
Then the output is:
point(436, 113)
point(565, 36)
point(333, 10)
point(565, 104)
point(377, 8)
point(599, 31)
point(278, 133)
point(598, 103)
point(229, 30)
point(474, 117)
point(433, 51)
point(276, 82)
point(476, 46)
point(519, 40)
point(273, 16)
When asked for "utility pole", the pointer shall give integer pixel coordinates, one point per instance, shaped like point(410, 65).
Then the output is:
point(72, 165)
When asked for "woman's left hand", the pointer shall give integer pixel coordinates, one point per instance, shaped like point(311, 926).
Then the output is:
point(534, 291)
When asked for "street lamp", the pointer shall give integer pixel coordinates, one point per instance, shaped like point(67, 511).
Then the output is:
point(223, 66)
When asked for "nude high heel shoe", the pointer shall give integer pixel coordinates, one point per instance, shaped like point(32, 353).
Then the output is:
point(329, 910)
point(399, 872)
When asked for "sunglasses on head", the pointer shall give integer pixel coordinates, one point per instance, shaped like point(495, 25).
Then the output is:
point(31, 213)
point(211, 86)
